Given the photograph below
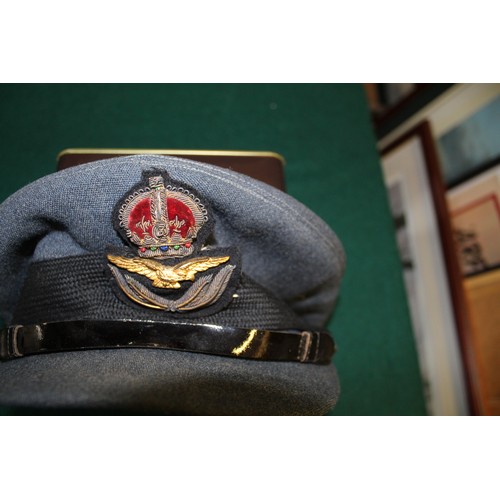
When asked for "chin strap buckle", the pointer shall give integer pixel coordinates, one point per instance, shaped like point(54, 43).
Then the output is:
point(14, 338)
point(8, 344)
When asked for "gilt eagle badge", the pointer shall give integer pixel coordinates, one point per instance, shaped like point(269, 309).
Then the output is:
point(167, 264)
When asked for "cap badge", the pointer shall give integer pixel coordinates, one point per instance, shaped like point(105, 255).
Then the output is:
point(162, 222)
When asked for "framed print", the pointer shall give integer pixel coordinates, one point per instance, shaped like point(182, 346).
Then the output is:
point(483, 292)
point(398, 102)
point(471, 145)
point(415, 197)
point(475, 216)
point(393, 93)
point(445, 111)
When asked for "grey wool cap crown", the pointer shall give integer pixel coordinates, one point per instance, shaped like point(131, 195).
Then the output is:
point(291, 267)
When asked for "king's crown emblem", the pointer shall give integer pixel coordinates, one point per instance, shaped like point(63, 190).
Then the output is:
point(162, 220)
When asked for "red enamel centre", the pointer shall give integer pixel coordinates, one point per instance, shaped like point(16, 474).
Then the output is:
point(180, 216)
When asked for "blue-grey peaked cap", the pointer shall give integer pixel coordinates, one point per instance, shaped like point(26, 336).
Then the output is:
point(285, 247)
point(56, 234)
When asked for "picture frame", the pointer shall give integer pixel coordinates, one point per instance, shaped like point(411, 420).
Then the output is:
point(394, 103)
point(471, 145)
point(474, 208)
point(482, 292)
point(431, 272)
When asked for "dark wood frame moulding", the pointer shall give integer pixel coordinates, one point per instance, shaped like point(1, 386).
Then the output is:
point(391, 117)
point(454, 276)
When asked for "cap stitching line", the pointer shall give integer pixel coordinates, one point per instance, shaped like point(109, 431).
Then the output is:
point(262, 193)
point(261, 196)
point(231, 178)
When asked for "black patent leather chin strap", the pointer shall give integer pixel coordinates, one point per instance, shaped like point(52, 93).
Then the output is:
point(266, 345)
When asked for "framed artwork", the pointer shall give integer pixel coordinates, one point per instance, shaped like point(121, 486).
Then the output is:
point(394, 103)
point(475, 216)
point(393, 93)
point(472, 145)
point(430, 267)
point(483, 291)
point(456, 133)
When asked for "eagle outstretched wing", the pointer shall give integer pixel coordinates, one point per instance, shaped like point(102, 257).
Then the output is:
point(164, 276)
point(187, 270)
point(148, 268)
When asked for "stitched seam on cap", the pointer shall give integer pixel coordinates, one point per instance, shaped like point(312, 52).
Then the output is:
point(232, 179)
point(263, 195)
